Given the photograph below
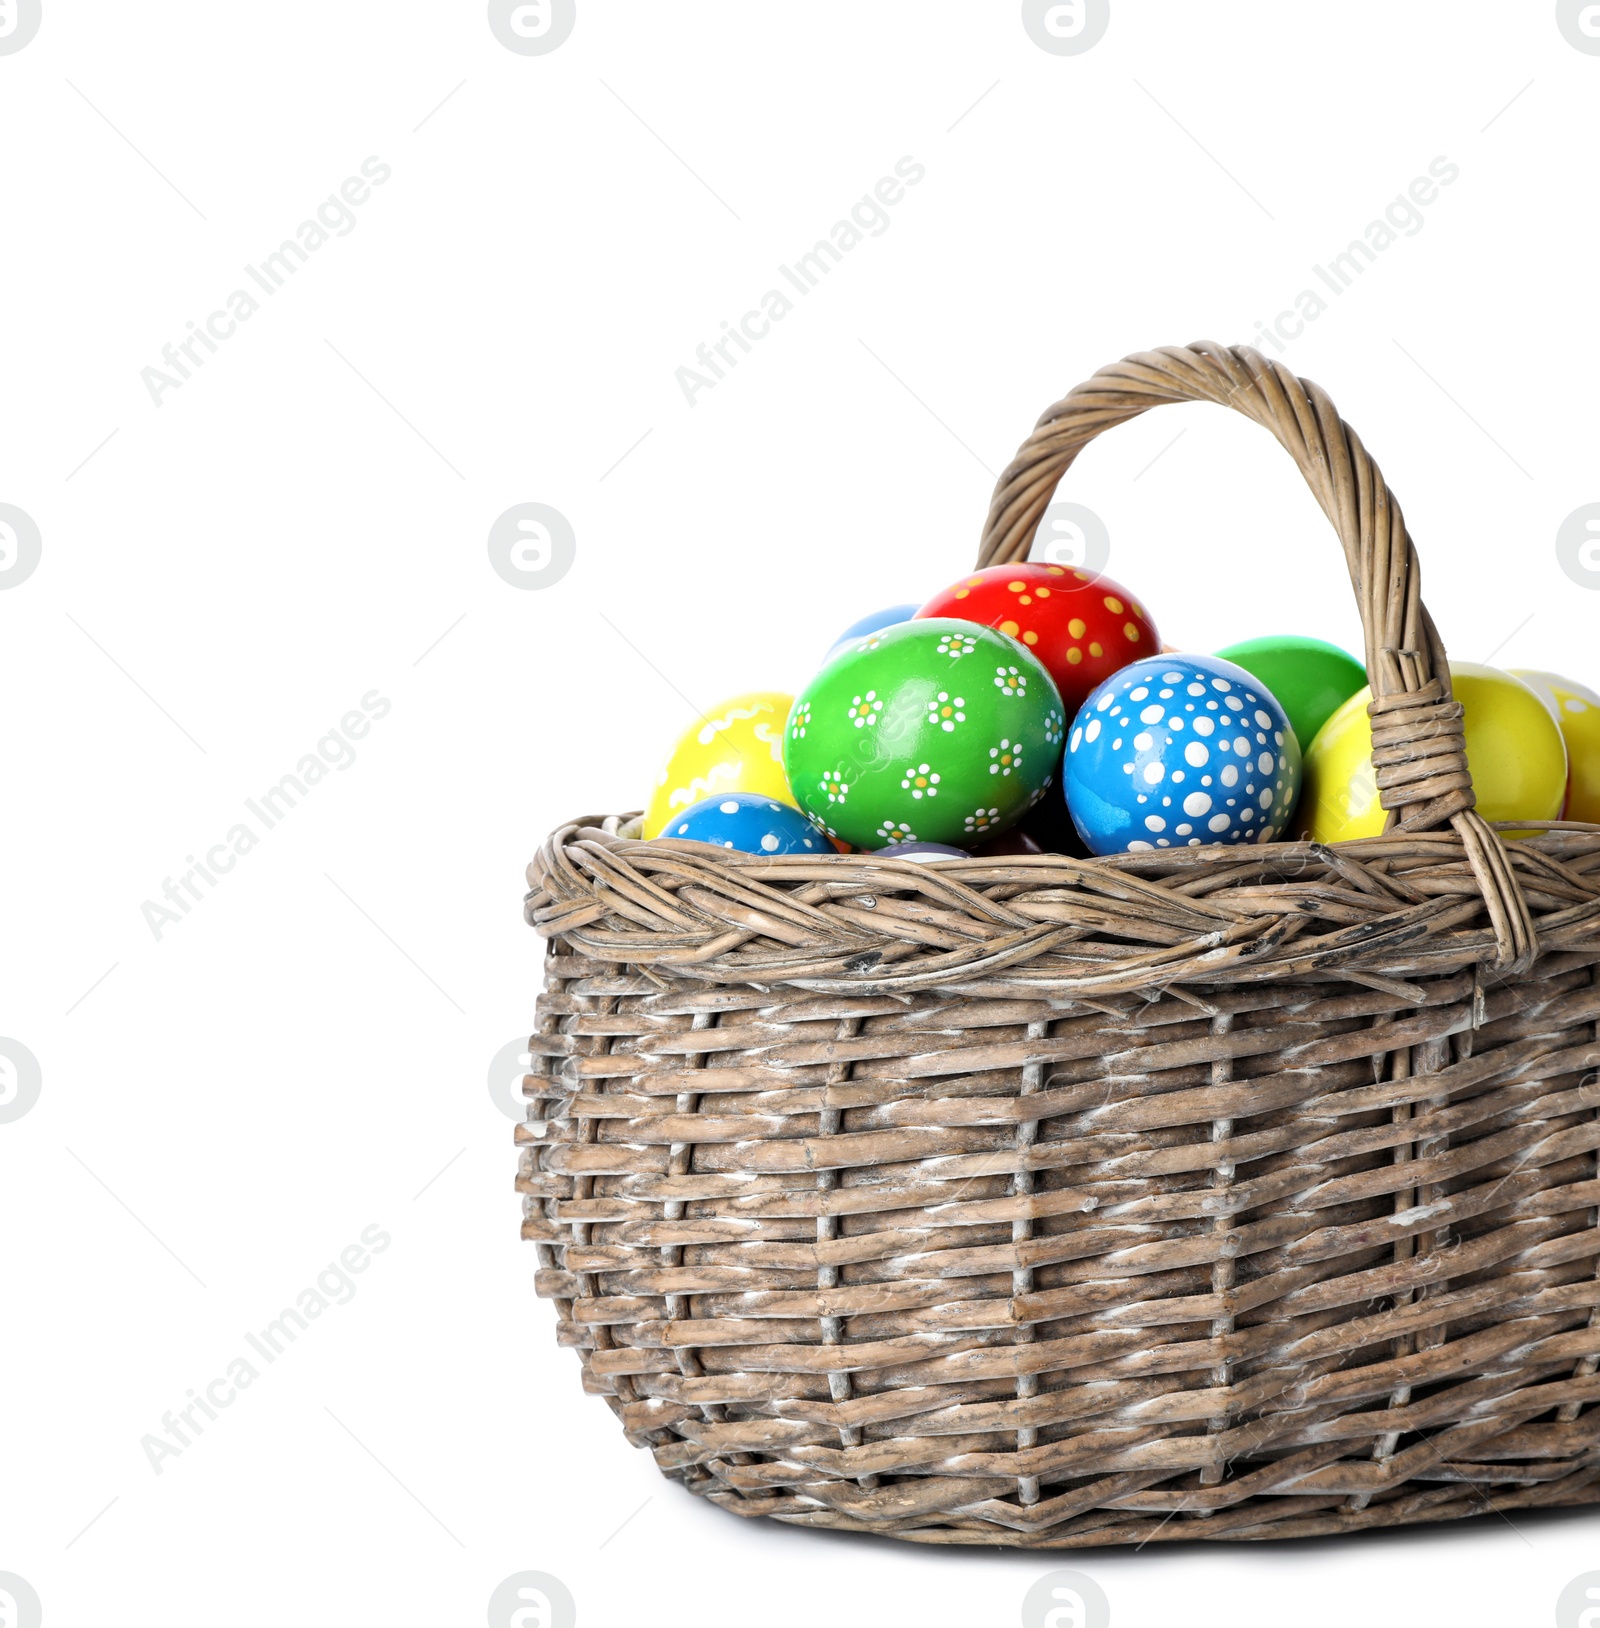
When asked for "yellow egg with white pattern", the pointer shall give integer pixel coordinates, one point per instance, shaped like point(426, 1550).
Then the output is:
point(736, 745)
point(1576, 709)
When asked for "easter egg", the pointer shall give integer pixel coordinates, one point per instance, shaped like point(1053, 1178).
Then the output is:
point(1180, 751)
point(928, 731)
point(922, 852)
point(1311, 679)
point(1083, 628)
point(749, 822)
point(1514, 749)
point(1577, 712)
point(871, 624)
point(736, 746)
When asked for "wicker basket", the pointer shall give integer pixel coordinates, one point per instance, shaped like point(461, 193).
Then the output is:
point(1238, 1192)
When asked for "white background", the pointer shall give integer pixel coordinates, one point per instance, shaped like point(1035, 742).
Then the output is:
point(304, 521)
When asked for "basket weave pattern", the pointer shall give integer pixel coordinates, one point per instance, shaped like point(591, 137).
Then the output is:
point(1208, 1193)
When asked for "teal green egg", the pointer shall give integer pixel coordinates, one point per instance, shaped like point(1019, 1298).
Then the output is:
point(1310, 679)
point(928, 731)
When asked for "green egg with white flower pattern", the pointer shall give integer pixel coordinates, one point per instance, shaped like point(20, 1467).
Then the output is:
point(927, 731)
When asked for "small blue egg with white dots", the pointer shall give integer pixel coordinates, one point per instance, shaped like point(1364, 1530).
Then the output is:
point(1180, 751)
point(749, 823)
point(891, 616)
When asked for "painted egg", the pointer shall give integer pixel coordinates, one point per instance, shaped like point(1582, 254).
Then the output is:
point(929, 731)
point(1514, 749)
point(1310, 678)
point(751, 823)
point(922, 852)
point(1083, 628)
point(1577, 712)
point(1181, 751)
point(736, 746)
point(871, 624)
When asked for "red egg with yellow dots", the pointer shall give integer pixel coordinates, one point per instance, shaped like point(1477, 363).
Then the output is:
point(1083, 628)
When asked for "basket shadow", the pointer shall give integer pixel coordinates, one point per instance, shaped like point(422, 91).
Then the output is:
point(1115, 1556)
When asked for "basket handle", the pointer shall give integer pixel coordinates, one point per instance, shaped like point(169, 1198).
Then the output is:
point(1418, 736)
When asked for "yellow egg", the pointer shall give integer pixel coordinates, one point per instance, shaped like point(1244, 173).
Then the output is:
point(1514, 749)
point(1577, 710)
point(736, 746)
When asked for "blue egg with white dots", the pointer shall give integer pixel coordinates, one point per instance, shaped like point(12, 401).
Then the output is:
point(892, 616)
point(1180, 751)
point(750, 823)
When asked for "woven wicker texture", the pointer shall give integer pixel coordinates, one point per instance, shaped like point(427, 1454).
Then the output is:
point(1207, 1193)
